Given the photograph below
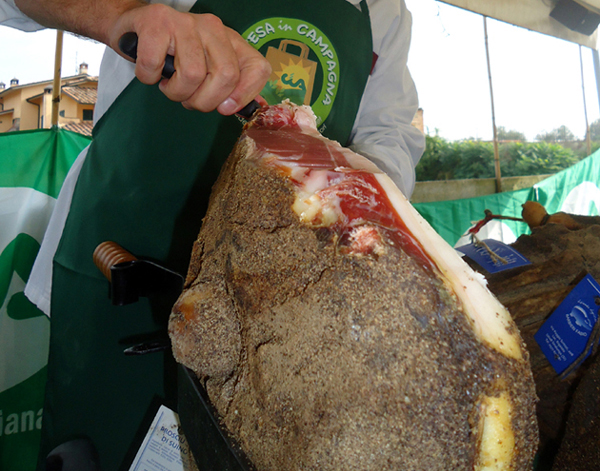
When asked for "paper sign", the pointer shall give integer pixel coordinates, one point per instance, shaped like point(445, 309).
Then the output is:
point(508, 257)
point(164, 448)
point(565, 334)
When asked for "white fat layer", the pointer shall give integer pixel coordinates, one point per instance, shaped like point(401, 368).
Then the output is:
point(317, 180)
point(359, 162)
point(308, 206)
point(497, 444)
point(490, 319)
point(298, 173)
point(304, 117)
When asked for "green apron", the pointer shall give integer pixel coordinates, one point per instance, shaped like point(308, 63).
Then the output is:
point(145, 184)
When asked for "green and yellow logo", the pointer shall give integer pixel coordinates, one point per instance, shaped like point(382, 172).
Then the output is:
point(304, 62)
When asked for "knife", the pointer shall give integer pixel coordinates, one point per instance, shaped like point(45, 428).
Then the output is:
point(128, 43)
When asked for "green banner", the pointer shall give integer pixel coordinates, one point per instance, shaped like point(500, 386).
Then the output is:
point(33, 166)
point(574, 190)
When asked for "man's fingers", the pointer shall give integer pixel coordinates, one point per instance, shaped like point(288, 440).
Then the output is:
point(214, 67)
point(254, 73)
point(191, 67)
point(152, 51)
point(151, 24)
point(222, 62)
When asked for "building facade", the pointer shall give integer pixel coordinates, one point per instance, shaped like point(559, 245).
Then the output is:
point(29, 106)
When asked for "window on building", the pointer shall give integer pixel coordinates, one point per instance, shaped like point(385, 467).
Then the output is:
point(61, 113)
point(88, 115)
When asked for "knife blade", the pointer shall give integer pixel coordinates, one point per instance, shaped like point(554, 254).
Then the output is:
point(128, 43)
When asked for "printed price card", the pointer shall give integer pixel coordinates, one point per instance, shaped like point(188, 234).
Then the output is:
point(164, 448)
point(506, 257)
point(565, 334)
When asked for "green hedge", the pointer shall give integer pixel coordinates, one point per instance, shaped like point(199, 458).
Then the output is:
point(444, 160)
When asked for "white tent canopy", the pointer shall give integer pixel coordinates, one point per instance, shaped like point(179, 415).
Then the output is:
point(531, 14)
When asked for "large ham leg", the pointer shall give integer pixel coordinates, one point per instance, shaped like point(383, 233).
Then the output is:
point(335, 330)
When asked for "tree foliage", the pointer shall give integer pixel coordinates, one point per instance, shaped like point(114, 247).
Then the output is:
point(560, 134)
point(438, 160)
point(595, 130)
point(509, 134)
point(475, 159)
point(444, 160)
point(539, 158)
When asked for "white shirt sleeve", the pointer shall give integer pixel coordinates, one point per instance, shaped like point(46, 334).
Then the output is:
point(382, 131)
point(11, 16)
point(39, 286)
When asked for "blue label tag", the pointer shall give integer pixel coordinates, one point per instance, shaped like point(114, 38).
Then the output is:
point(566, 333)
point(507, 257)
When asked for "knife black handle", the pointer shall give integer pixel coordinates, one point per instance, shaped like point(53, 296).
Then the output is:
point(248, 110)
point(129, 43)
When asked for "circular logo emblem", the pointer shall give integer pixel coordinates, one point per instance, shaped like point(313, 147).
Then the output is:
point(304, 62)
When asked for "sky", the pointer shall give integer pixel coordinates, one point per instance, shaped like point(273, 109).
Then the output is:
point(537, 80)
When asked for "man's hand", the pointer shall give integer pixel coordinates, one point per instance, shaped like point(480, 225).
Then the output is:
point(215, 67)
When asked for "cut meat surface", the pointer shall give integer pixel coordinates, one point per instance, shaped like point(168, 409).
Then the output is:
point(297, 148)
point(333, 190)
point(334, 329)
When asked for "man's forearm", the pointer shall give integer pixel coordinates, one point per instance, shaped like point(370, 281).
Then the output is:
point(89, 18)
point(215, 67)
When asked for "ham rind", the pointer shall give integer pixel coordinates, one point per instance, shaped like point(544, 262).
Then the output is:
point(332, 326)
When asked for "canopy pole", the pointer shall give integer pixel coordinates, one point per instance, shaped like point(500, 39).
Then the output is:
point(496, 151)
point(57, 78)
point(596, 57)
point(588, 139)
